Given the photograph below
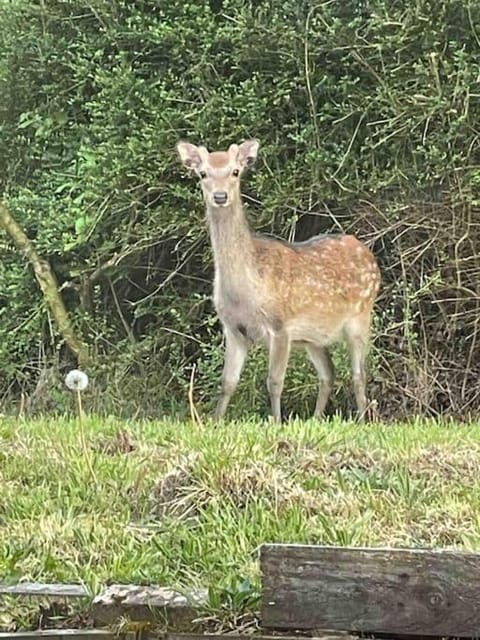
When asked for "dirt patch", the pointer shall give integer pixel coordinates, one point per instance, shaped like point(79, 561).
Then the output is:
point(120, 443)
point(260, 480)
point(183, 492)
point(179, 492)
point(285, 447)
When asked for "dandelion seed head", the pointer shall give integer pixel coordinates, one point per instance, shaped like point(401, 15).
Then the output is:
point(76, 380)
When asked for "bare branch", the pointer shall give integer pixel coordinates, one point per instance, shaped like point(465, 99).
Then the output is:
point(48, 284)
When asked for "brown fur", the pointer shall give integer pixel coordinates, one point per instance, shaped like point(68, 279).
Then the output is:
point(282, 294)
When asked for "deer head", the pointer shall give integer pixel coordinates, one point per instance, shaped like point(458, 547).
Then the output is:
point(219, 171)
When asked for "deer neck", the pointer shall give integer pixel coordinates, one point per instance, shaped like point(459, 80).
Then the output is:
point(232, 245)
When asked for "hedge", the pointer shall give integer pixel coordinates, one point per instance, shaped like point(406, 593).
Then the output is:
point(367, 113)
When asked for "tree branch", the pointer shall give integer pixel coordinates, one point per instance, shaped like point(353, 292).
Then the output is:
point(48, 284)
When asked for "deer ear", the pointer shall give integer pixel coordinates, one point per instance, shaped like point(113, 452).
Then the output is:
point(247, 152)
point(189, 154)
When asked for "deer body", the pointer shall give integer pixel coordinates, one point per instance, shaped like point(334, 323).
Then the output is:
point(281, 294)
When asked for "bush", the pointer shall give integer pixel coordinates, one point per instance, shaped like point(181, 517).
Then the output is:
point(367, 114)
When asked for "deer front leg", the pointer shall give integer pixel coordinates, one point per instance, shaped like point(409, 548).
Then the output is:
point(235, 354)
point(278, 360)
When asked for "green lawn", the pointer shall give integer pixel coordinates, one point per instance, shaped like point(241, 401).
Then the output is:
point(181, 504)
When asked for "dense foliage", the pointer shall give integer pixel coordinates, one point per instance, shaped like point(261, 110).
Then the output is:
point(368, 117)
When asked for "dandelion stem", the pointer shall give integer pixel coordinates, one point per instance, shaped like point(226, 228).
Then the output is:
point(83, 438)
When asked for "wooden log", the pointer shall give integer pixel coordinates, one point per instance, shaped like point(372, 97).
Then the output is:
point(39, 589)
point(174, 610)
point(388, 591)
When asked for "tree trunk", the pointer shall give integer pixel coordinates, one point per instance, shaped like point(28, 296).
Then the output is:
point(48, 284)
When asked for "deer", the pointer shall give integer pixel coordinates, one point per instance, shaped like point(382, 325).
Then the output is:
point(280, 294)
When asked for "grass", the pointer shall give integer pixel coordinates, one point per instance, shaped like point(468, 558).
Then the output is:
point(186, 505)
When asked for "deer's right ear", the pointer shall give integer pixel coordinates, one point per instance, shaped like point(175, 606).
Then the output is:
point(189, 155)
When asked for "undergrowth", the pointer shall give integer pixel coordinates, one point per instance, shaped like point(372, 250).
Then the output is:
point(367, 116)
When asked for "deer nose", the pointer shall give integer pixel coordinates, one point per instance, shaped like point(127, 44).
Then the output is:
point(220, 197)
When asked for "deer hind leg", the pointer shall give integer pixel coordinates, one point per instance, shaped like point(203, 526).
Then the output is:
point(278, 360)
point(235, 354)
point(322, 362)
point(357, 336)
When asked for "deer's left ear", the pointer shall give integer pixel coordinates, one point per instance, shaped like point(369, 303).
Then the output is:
point(247, 152)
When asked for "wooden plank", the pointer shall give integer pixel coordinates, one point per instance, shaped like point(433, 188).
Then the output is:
point(256, 636)
point(39, 589)
point(388, 591)
point(103, 634)
point(70, 634)
point(177, 611)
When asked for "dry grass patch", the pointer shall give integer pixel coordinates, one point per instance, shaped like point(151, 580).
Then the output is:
point(461, 464)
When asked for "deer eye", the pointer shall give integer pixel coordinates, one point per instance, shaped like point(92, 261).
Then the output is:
point(235, 172)
point(202, 174)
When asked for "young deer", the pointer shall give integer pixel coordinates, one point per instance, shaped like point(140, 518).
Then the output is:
point(281, 294)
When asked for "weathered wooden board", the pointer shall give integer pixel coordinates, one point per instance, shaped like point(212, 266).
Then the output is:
point(177, 611)
point(42, 589)
point(388, 591)
point(104, 634)
point(253, 636)
point(68, 634)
